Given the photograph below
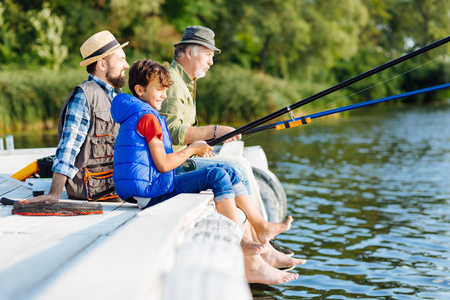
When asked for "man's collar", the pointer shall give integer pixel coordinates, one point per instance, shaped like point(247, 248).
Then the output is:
point(109, 89)
point(184, 75)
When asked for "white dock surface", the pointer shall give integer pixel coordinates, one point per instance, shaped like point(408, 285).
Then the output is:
point(124, 253)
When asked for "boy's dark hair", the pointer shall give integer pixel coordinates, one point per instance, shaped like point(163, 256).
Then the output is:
point(144, 71)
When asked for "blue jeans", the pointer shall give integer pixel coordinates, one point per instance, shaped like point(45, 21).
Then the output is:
point(221, 178)
point(204, 162)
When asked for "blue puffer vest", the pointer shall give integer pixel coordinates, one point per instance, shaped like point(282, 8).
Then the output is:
point(135, 174)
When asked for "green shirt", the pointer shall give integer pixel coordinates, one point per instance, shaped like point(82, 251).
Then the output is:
point(179, 106)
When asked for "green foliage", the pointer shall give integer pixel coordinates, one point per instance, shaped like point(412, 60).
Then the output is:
point(335, 30)
point(14, 34)
point(431, 75)
point(291, 38)
point(7, 38)
point(420, 22)
point(274, 52)
point(49, 28)
point(154, 39)
point(182, 13)
point(231, 94)
point(34, 98)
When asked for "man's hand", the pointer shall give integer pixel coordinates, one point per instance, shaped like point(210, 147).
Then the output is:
point(47, 199)
point(204, 133)
point(58, 182)
point(222, 130)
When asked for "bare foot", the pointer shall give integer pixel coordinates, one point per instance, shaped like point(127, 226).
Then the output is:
point(280, 260)
point(270, 230)
point(258, 271)
point(251, 248)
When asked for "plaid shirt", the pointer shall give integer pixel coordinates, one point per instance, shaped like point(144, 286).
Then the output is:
point(75, 129)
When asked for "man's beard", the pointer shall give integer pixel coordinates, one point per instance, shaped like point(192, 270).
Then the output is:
point(199, 74)
point(117, 82)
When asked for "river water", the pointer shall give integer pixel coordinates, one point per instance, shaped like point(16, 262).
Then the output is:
point(370, 195)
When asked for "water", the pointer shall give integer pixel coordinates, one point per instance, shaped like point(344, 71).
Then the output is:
point(33, 139)
point(370, 195)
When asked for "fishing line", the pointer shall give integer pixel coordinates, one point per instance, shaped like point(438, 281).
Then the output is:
point(251, 134)
point(290, 108)
point(375, 85)
point(306, 119)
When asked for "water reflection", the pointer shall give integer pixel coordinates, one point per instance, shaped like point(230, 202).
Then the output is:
point(34, 139)
point(370, 195)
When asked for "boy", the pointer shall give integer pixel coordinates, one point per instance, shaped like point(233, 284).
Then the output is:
point(144, 162)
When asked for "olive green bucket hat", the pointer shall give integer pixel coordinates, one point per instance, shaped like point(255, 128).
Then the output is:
point(199, 35)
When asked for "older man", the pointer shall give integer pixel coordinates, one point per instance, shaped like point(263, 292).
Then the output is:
point(193, 57)
point(84, 156)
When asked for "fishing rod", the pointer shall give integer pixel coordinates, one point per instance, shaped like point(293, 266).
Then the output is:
point(307, 119)
point(326, 92)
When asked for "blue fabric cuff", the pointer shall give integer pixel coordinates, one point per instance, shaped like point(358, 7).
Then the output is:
point(223, 196)
point(239, 189)
point(64, 168)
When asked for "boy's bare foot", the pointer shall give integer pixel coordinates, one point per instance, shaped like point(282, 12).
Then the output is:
point(251, 248)
point(280, 260)
point(270, 230)
point(258, 271)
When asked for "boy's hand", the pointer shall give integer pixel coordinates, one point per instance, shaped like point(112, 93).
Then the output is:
point(209, 154)
point(201, 148)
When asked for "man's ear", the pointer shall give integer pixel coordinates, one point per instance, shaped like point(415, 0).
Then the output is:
point(189, 52)
point(101, 65)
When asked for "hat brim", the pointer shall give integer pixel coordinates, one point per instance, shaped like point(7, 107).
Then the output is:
point(207, 45)
point(90, 60)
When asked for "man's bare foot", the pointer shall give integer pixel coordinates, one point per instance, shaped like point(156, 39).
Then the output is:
point(270, 230)
point(258, 271)
point(251, 248)
point(280, 260)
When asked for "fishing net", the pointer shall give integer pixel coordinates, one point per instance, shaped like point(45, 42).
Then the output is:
point(57, 209)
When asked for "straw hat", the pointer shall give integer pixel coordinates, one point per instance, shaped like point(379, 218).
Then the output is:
point(98, 46)
point(199, 35)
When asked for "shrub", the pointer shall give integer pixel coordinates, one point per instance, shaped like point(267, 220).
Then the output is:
point(230, 94)
point(34, 98)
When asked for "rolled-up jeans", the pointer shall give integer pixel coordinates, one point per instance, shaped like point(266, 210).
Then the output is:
point(221, 178)
point(204, 162)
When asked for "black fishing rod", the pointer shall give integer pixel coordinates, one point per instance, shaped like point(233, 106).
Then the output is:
point(339, 86)
point(307, 119)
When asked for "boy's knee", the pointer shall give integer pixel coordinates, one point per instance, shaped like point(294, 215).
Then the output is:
point(218, 173)
point(228, 171)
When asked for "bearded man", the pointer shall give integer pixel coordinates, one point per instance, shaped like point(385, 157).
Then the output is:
point(86, 131)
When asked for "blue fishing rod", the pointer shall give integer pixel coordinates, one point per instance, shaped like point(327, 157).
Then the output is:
point(328, 91)
point(294, 122)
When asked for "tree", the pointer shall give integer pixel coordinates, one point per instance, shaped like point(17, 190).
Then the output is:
point(290, 38)
point(48, 44)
